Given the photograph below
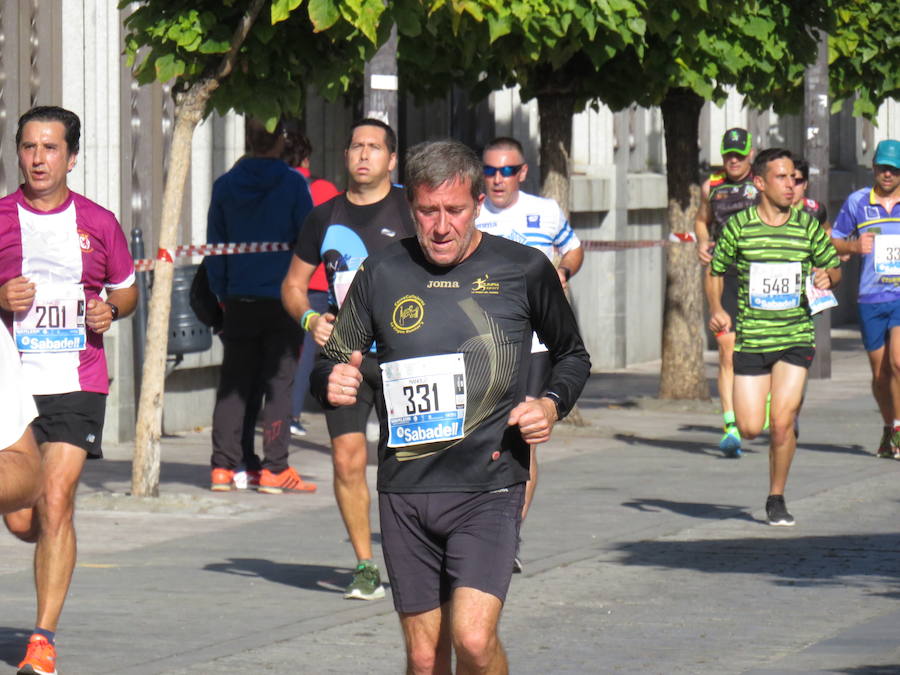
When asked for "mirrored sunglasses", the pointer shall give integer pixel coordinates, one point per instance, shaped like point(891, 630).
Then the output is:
point(505, 171)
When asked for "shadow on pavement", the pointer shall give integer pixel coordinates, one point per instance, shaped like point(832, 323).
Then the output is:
point(96, 475)
point(694, 447)
point(798, 561)
point(691, 509)
point(618, 389)
point(871, 670)
point(297, 575)
point(830, 447)
point(12, 644)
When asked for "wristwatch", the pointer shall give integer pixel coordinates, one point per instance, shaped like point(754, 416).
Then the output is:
point(553, 396)
point(113, 310)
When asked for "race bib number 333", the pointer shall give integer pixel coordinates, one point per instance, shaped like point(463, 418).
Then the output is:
point(425, 398)
point(887, 254)
point(55, 321)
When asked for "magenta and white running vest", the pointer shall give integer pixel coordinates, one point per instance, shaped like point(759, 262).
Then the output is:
point(70, 254)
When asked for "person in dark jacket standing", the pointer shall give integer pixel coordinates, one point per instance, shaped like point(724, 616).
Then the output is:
point(261, 199)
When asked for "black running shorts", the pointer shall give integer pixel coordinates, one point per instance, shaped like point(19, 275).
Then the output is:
point(75, 418)
point(753, 363)
point(437, 541)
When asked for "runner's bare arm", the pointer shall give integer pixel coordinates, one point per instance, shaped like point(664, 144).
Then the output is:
point(861, 246)
point(701, 225)
point(295, 298)
point(572, 262)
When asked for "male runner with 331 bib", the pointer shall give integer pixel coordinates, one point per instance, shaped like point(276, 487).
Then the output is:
point(451, 314)
point(58, 252)
point(341, 233)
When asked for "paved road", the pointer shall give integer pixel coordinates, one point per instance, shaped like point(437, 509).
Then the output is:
point(645, 552)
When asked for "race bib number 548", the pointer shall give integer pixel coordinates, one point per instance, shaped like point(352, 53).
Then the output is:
point(425, 398)
point(775, 286)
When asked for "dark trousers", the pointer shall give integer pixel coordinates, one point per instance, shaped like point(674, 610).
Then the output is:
point(261, 348)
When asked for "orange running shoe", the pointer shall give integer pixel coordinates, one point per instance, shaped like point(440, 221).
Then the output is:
point(40, 659)
point(222, 480)
point(286, 481)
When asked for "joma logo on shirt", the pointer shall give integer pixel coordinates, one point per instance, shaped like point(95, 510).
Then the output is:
point(432, 283)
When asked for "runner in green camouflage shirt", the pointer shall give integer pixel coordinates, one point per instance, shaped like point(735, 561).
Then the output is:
point(782, 257)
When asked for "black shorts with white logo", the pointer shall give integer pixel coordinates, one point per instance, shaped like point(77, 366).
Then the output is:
point(435, 542)
point(753, 363)
point(75, 418)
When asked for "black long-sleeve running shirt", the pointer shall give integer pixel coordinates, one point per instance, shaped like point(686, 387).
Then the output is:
point(485, 309)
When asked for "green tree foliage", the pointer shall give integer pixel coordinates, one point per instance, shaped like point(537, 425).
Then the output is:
point(222, 55)
point(863, 54)
point(323, 45)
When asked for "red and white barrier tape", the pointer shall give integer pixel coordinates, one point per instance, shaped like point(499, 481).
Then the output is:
point(145, 264)
point(167, 255)
point(674, 238)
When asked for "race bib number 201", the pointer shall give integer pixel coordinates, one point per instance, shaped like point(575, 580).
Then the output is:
point(55, 321)
point(425, 398)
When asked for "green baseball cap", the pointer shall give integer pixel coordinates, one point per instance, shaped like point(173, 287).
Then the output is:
point(888, 152)
point(737, 140)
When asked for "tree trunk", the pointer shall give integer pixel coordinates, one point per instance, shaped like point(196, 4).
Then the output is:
point(189, 110)
point(682, 375)
point(556, 112)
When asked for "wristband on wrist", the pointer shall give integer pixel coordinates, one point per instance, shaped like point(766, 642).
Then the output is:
point(114, 310)
point(566, 272)
point(308, 316)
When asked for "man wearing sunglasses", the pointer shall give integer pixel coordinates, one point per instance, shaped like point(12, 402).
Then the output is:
point(725, 193)
point(868, 225)
point(801, 183)
point(534, 221)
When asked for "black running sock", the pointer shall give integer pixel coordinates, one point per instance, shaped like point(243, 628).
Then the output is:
point(49, 634)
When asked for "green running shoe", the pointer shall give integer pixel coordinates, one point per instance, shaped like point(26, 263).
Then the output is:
point(885, 451)
point(730, 445)
point(366, 584)
point(895, 443)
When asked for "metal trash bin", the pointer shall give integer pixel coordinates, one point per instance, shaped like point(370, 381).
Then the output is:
point(186, 332)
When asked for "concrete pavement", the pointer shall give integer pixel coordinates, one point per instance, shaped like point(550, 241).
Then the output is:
point(645, 552)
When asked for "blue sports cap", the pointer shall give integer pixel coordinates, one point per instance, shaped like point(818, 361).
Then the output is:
point(888, 152)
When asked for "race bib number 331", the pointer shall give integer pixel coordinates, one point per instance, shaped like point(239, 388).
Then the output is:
point(425, 398)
